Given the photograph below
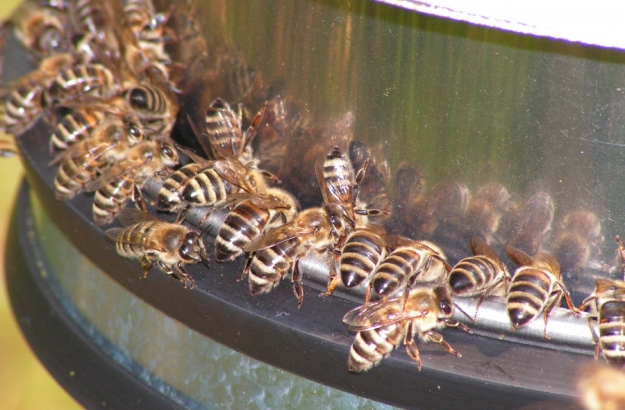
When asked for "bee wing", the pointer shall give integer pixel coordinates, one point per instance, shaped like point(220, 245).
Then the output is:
point(233, 171)
point(278, 235)
point(117, 171)
point(194, 157)
point(480, 247)
point(92, 154)
point(137, 240)
point(519, 256)
point(378, 314)
point(202, 138)
point(114, 233)
point(394, 241)
point(131, 216)
point(548, 260)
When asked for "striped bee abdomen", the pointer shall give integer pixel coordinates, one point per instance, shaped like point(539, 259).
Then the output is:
point(270, 265)
point(371, 346)
point(529, 291)
point(169, 197)
point(207, 188)
point(471, 275)
point(360, 257)
point(612, 332)
point(244, 223)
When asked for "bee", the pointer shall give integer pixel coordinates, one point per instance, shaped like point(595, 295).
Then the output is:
point(82, 162)
point(577, 241)
point(532, 224)
point(21, 100)
point(445, 203)
point(86, 116)
point(206, 183)
point(154, 241)
point(482, 274)
point(42, 30)
point(224, 131)
point(250, 218)
point(280, 249)
point(82, 80)
point(339, 184)
point(372, 189)
point(155, 106)
point(122, 180)
point(486, 209)
point(408, 262)
point(382, 325)
point(360, 255)
point(609, 298)
point(535, 287)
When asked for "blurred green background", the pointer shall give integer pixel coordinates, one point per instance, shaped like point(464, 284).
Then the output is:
point(24, 382)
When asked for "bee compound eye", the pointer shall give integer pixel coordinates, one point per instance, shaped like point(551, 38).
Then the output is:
point(168, 151)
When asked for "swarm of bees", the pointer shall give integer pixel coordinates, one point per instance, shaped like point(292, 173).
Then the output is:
point(108, 82)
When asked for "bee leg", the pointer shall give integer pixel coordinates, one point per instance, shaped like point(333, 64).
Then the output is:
point(567, 298)
point(296, 278)
point(459, 325)
point(334, 276)
point(621, 250)
point(438, 338)
point(486, 294)
point(146, 265)
point(411, 346)
point(368, 293)
point(595, 337)
point(548, 308)
point(182, 215)
point(188, 281)
point(137, 198)
point(246, 269)
point(360, 175)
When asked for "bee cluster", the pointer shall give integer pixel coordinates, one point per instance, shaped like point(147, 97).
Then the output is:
point(117, 86)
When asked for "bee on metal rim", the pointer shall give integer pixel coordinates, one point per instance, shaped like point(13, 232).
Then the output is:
point(372, 190)
point(123, 180)
point(340, 185)
point(154, 241)
point(482, 274)
point(609, 300)
point(360, 255)
point(250, 218)
point(83, 161)
point(82, 80)
point(408, 262)
point(535, 288)
point(381, 326)
point(279, 250)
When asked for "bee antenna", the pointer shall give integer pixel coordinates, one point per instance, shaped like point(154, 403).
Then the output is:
point(463, 312)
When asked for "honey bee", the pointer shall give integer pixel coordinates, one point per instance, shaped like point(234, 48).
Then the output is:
point(609, 298)
point(42, 30)
point(362, 252)
point(153, 241)
point(482, 274)
point(444, 204)
point(280, 249)
point(532, 224)
point(486, 209)
point(122, 180)
point(339, 184)
point(408, 262)
point(155, 106)
point(250, 218)
point(82, 162)
point(577, 241)
point(382, 325)
point(21, 100)
point(372, 189)
point(82, 80)
point(535, 287)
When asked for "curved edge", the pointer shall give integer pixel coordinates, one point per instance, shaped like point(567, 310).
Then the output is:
point(80, 367)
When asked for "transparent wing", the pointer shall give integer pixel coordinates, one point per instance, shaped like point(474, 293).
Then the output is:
point(278, 235)
point(131, 216)
point(378, 314)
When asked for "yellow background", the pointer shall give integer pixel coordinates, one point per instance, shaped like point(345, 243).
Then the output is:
point(24, 382)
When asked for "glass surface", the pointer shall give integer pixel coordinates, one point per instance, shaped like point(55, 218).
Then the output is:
point(467, 106)
point(195, 371)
